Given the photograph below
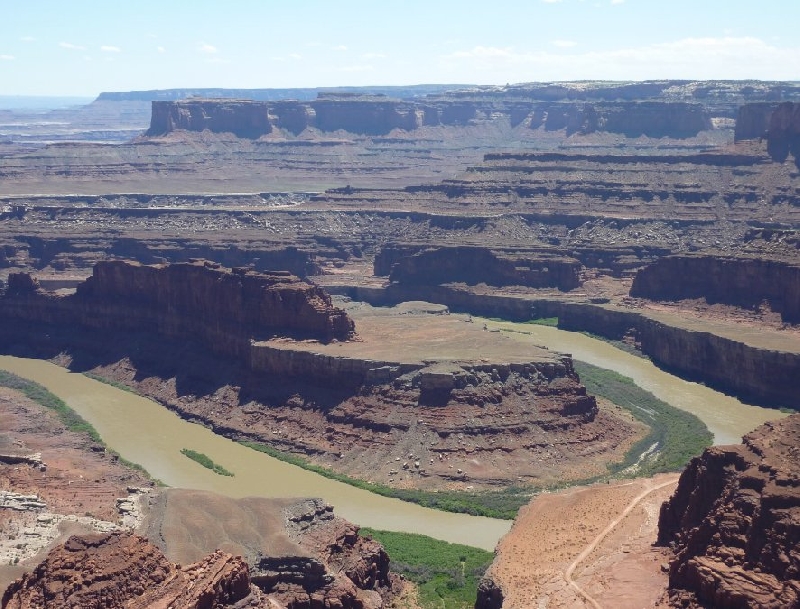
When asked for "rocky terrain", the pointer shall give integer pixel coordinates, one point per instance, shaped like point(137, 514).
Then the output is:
point(732, 523)
point(55, 482)
point(622, 209)
point(73, 492)
point(472, 412)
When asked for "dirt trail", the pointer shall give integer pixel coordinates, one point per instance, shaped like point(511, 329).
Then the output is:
point(597, 540)
point(599, 537)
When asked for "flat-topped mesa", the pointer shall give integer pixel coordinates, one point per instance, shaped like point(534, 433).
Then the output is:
point(225, 309)
point(733, 523)
point(422, 265)
point(379, 115)
point(202, 297)
point(242, 117)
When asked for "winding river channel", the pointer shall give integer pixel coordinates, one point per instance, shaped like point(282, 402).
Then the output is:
point(144, 432)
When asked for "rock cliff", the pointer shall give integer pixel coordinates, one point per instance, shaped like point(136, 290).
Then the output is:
point(783, 136)
point(378, 115)
point(732, 523)
point(472, 265)
point(223, 309)
point(736, 280)
point(752, 120)
point(243, 118)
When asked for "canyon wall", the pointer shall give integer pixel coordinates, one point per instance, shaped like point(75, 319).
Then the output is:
point(243, 118)
point(376, 115)
point(765, 376)
point(732, 523)
point(422, 265)
point(735, 280)
point(221, 308)
point(783, 135)
point(752, 120)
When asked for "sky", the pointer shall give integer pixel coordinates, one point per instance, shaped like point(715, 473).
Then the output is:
point(83, 47)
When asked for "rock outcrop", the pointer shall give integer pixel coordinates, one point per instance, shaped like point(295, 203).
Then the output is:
point(222, 308)
point(472, 265)
point(377, 115)
point(783, 136)
point(120, 570)
point(733, 523)
point(752, 120)
point(736, 280)
point(243, 118)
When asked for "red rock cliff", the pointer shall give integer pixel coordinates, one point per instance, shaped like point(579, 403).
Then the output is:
point(222, 308)
point(733, 522)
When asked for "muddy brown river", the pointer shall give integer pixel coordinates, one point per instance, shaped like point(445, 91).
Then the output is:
point(144, 432)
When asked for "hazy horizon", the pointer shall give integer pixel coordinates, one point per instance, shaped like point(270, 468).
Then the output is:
point(85, 47)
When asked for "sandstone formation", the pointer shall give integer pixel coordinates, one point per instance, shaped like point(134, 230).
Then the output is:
point(461, 411)
point(223, 309)
point(783, 136)
point(125, 571)
point(736, 280)
point(752, 120)
point(733, 523)
point(472, 265)
point(243, 118)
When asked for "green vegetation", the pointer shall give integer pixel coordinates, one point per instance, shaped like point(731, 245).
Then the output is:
point(551, 322)
point(447, 574)
point(494, 504)
point(680, 435)
point(206, 462)
point(40, 395)
point(71, 419)
point(105, 381)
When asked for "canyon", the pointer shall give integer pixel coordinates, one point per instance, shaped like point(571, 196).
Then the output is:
point(661, 215)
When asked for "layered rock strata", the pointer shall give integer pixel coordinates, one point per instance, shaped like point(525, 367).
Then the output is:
point(221, 308)
point(375, 115)
point(736, 280)
point(783, 136)
point(457, 406)
point(121, 570)
point(732, 523)
point(472, 265)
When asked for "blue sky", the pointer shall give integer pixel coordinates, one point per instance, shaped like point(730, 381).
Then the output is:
point(83, 47)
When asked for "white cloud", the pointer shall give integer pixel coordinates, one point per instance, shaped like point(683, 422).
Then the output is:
point(110, 49)
point(688, 58)
point(207, 48)
point(7, 58)
point(564, 44)
point(341, 47)
point(27, 39)
point(295, 56)
point(161, 49)
point(373, 56)
point(71, 47)
point(617, 1)
point(551, 1)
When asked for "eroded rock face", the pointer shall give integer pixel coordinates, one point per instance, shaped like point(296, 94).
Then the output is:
point(472, 265)
point(199, 300)
point(741, 281)
point(122, 570)
point(783, 137)
point(244, 118)
point(733, 522)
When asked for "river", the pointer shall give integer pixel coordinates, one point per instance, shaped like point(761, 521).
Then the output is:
point(144, 432)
